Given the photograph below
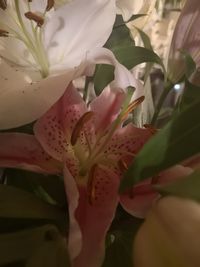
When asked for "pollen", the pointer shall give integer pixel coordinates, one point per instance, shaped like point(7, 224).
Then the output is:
point(4, 33)
point(132, 106)
point(79, 126)
point(33, 16)
point(50, 5)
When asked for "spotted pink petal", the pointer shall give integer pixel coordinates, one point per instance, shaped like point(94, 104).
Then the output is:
point(106, 107)
point(138, 200)
point(75, 237)
point(54, 129)
point(95, 217)
point(23, 151)
point(126, 142)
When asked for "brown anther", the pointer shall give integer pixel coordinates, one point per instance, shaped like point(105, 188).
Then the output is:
point(79, 126)
point(3, 4)
point(33, 16)
point(152, 129)
point(50, 4)
point(4, 33)
point(133, 106)
point(91, 186)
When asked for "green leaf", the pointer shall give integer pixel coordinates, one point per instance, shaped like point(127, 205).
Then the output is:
point(16, 203)
point(130, 57)
point(22, 245)
point(187, 187)
point(177, 141)
point(119, 37)
point(145, 39)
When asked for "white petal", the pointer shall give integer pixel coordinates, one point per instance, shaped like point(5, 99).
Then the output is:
point(123, 77)
point(76, 28)
point(22, 101)
point(129, 7)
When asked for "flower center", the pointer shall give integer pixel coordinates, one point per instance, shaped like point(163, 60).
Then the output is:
point(29, 32)
point(96, 150)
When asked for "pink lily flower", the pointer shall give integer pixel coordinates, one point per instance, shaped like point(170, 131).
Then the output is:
point(87, 144)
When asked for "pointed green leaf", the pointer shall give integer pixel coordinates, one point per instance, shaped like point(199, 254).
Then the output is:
point(177, 141)
point(130, 57)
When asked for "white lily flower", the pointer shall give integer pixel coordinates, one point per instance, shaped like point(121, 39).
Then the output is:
point(42, 49)
point(132, 7)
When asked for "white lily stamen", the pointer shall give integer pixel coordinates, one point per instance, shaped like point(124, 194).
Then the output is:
point(33, 39)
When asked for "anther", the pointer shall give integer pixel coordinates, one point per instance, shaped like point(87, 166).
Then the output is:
point(50, 5)
point(132, 106)
point(152, 129)
point(3, 4)
point(4, 33)
point(33, 16)
point(79, 126)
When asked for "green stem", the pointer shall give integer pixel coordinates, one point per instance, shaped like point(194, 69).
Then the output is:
point(161, 100)
point(85, 91)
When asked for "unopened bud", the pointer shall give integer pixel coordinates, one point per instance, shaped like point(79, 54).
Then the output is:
point(170, 235)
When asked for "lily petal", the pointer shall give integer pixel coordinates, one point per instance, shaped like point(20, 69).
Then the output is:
point(186, 37)
point(23, 151)
point(75, 237)
point(123, 77)
point(54, 129)
point(95, 217)
point(106, 107)
point(139, 200)
point(127, 141)
point(129, 7)
point(78, 27)
point(22, 100)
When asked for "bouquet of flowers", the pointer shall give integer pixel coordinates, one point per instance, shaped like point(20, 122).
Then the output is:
point(99, 133)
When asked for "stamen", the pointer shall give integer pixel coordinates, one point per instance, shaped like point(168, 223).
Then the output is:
point(3, 4)
point(132, 106)
point(79, 126)
point(152, 129)
point(4, 33)
point(91, 186)
point(122, 165)
point(50, 5)
point(33, 16)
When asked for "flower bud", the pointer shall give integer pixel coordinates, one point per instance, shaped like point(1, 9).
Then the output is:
point(170, 236)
